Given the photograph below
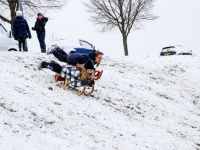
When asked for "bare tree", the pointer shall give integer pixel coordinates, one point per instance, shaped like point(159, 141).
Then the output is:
point(123, 14)
point(8, 8)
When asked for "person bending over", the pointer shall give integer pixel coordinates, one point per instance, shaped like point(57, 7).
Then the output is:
point(78, 77)
point(75, 58)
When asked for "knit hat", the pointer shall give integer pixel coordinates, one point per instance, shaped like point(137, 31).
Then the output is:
point(19, 13)
point(89, 64)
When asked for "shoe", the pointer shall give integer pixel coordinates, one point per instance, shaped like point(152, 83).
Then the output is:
point(42, 64)
point(43, 51)
point(52, 48)
point(25, 49)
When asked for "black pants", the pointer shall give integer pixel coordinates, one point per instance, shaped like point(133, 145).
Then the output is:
point(22, 43)
point(54, 66)
point(60, 55)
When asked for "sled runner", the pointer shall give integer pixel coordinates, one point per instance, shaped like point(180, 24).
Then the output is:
point(64, 83)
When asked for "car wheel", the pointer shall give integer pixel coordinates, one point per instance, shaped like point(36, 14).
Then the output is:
point(12, 50)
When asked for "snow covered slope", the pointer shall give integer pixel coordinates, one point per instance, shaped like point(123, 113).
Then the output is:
point(139, 103)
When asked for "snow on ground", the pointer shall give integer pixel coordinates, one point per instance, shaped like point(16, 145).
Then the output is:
point(139, 103)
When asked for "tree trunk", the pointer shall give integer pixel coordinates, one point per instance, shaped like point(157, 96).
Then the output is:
point(12, 14)
point(125, 44)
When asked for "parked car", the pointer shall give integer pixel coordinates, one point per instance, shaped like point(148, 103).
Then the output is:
point(175, 50)
point(74, 46)
point(7, 43)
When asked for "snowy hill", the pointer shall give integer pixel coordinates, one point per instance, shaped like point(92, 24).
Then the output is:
point(139, 103)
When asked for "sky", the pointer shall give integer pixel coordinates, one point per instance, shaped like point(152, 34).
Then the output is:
point(178, 24)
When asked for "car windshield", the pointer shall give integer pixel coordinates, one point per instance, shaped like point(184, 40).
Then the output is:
point(166, 49)
point(85, 44)
point(2, 29)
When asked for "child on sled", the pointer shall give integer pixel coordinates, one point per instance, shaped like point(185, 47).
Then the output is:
point(79, 76)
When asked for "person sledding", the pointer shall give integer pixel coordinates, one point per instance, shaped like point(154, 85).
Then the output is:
point(78, 76)
point(75, 58)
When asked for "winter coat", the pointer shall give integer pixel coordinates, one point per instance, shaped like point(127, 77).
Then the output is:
point(40, 24)
point(71, 73)
point(21, 28)
point(75, 58)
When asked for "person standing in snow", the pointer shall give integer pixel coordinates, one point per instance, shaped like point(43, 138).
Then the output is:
point(40, 29)
point(21, 30)
point(78, 77)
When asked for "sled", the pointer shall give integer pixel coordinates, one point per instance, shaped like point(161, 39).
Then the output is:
point(98, 74)
point(86, 90)
point(64, 83)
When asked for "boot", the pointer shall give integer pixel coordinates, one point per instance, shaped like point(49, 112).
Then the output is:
point(43, 51)
point(51, 49)
point(42, 64)
point(25, 49)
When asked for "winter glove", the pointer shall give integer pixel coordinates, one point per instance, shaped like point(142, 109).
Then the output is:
point(33, 28)
point(78, 67)
point(84, 83)
point(92, 83)
point(30, 37)
point(87, 83)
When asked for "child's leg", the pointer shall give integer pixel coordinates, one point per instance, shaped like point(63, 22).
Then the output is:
point(54, 66)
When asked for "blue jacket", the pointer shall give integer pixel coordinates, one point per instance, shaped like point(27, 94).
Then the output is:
point(75, 58)
point(21, 28)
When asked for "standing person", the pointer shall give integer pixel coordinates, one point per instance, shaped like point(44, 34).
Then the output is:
point(40, 29)
point(21, 30)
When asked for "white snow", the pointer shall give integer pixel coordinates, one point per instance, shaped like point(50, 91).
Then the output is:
point(139, 103)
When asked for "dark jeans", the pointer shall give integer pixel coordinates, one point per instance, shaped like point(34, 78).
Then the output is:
point(60, 55)
point(54, 66)
point(22, 43)
point(41, 39)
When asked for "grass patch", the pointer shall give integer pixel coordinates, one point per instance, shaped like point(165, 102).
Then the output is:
point(50, 88)
point(56, 103)
point(50, 122)
point(164, 96)
point(4, 107)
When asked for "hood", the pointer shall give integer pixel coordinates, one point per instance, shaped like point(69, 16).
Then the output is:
point(91, 55)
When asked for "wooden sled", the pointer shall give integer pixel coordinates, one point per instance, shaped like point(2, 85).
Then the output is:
point(98, 74)
point(64, 83)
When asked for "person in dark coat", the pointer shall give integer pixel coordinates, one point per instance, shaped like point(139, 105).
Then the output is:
point(21, 30)
point(40, 29)
point(74, 58)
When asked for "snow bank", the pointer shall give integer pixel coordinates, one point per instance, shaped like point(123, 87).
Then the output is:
point(139, 103)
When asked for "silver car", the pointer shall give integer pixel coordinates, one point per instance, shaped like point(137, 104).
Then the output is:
point(7, 43)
